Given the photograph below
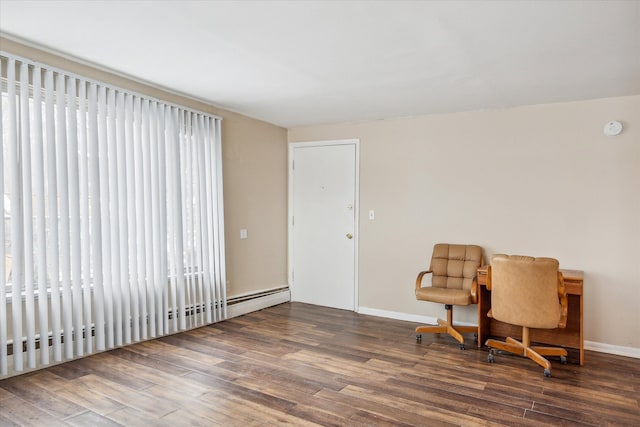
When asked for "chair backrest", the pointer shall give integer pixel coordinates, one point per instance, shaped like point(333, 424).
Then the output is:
point(524, 291)
point(455, 266)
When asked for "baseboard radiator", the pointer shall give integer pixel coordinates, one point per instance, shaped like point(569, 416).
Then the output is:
point(236, 306)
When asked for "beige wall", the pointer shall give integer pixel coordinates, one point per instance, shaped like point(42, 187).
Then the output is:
point(538, 180)
point(255, 180)
point(255, 198)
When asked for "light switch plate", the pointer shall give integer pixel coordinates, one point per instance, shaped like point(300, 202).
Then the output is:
point(243, 233)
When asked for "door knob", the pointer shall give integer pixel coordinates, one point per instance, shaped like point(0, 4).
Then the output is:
point(349, 236)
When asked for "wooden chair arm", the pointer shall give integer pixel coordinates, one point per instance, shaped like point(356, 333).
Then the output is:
point(488, 278)
point(564, 303)
point(419, 278)
point(474, 289)
point(474, 284)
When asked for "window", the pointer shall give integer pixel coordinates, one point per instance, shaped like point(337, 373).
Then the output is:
point(112, 208)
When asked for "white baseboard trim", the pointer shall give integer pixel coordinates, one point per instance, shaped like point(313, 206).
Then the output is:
point(588, 345)
point(618, 350)
point(258, 303)
point(417, 318)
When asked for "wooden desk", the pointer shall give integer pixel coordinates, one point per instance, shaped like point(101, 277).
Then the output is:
point(571, 337)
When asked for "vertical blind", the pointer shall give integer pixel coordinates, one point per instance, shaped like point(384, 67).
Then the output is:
point(113, 217)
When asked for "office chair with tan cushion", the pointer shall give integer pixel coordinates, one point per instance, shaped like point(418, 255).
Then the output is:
point(527, 292)
point(453, 282)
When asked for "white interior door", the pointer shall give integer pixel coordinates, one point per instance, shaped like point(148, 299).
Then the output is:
point(323, 223)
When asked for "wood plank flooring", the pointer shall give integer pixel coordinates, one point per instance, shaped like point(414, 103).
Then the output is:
point(305, 365)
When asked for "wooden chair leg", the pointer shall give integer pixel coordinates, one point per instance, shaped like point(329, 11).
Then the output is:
point(550, 351)
point(537, 358)
point(455, 334)
point(450, 330)
point(433, 329)
point(512, 341)
point(515, 348)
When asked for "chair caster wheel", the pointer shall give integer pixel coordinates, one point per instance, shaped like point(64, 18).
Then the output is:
point(547, 373)
point(490, 356)
point(563, 360)
point(418, 337)
point(461, 346)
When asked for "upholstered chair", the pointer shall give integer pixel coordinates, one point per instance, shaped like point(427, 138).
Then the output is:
point(453, 272)
point(527, 292)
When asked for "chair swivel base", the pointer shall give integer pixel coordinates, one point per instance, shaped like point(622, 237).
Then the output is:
point(524, 349)
point(446, 327)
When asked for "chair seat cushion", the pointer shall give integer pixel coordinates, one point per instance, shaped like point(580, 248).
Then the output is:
point(444, 295)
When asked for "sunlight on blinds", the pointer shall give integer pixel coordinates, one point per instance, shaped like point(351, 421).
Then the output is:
point(113, 217)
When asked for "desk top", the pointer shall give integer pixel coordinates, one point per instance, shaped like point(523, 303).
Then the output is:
point(567, 274)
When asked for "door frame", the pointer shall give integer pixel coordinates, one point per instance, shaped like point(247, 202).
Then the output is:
point(356, 209)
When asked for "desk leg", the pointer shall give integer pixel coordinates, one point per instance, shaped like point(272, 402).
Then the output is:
point(581, 331)
point(484, 323)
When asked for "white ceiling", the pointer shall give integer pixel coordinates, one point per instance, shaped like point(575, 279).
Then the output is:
point(311, 62)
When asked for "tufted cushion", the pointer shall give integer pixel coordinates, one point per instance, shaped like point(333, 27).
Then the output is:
point(524, 291)
point(444, 295)
point(454, 266)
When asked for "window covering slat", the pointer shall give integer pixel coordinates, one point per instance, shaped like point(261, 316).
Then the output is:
point(95, 218)
point(105, 216)
point(150, 315)
point(131, 218)
point(218, 210)
point(74, 219)
point(116, 328)
point(85, 223)
point(204, 226)
point(39, 210)
point(140, 218)
point(197, 249)
point(17, 238)
point(163, 211)
point(176, 210)
point(154, 210)
point(63, 206)
point(188, 233)
point(4, 369)
point(210, 263)
point(53, 252)
point(27, 226)
point(122, 219)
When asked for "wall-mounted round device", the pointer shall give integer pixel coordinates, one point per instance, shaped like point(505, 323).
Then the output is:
point(613, 128)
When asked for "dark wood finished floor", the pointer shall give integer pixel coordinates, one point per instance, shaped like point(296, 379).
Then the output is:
point(300, 364)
